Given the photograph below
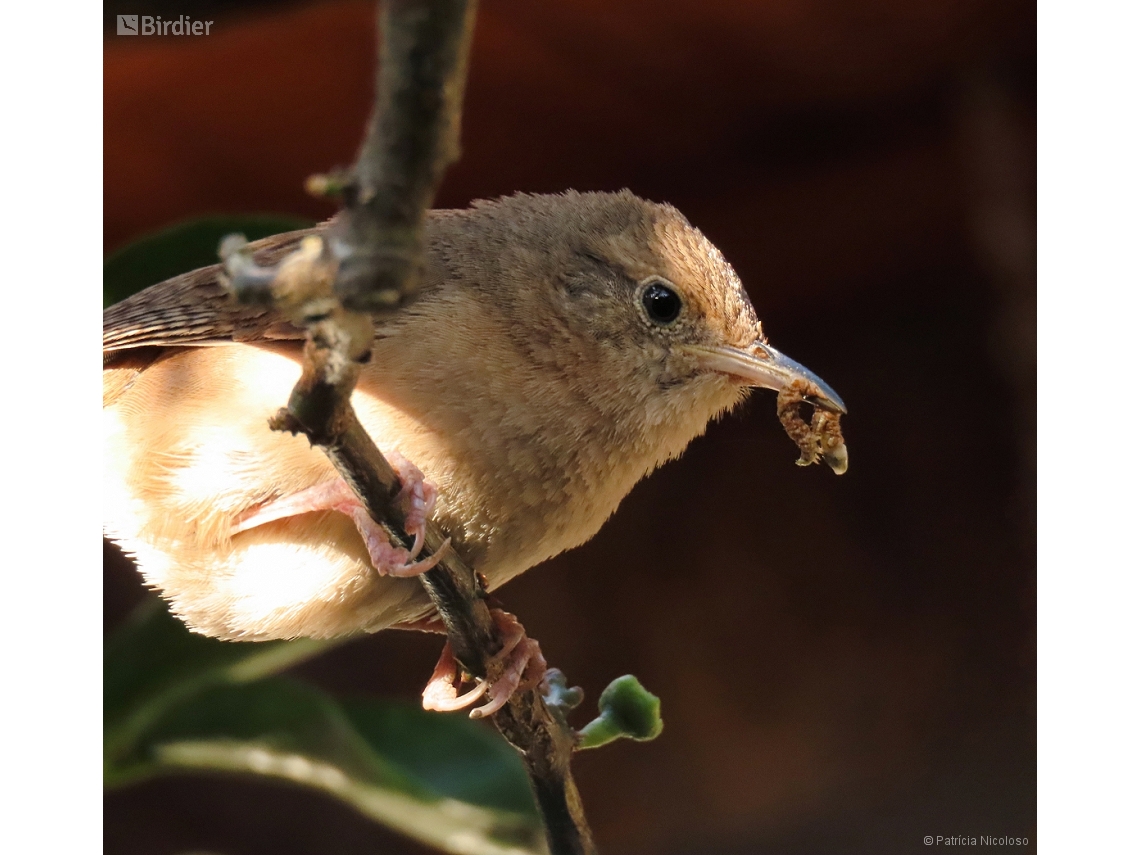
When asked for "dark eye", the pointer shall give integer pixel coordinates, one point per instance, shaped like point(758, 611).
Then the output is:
point(662, 303)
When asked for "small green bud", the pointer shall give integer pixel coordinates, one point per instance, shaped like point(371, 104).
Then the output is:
point(627, 710)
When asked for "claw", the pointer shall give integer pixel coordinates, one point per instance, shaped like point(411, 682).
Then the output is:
point(417, 498)
point(523, 660)
point(524, 667)
point(440, 694)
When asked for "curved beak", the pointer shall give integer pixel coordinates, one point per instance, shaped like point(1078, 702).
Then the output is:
point(764, 366)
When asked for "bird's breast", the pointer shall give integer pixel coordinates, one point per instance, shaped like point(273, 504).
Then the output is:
point(526, 465)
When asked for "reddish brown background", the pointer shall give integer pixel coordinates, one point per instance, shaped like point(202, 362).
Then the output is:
point(845, 665)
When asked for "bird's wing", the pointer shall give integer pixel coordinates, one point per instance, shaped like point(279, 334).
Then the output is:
point(194, 309)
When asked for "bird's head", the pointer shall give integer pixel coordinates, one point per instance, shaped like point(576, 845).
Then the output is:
point(637, 311)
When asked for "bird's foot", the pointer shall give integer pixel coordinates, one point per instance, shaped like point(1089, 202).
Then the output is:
point(416, 498)
point(523, 667)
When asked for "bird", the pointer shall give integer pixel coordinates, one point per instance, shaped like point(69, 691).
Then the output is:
point(561, 347)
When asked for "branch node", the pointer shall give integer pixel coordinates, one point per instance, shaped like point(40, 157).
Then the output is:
point(286, 422)
point(330, 185)
point(560, 698)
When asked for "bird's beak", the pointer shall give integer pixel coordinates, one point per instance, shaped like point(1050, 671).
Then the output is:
point(764, 366)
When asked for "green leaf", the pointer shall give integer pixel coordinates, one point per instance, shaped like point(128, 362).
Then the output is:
point(452, 754)
point(153, 663)
point(284, 729)
point(181, 248)
point(175, 702)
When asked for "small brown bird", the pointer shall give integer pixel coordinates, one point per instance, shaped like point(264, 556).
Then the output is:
point(561, 348)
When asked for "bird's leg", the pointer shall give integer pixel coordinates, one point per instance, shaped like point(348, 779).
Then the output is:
point(416, 498)
point(523, 668)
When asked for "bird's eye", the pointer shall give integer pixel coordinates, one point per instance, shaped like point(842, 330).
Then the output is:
point(661, 302)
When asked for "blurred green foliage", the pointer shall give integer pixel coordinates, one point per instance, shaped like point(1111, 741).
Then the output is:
point(181, 248)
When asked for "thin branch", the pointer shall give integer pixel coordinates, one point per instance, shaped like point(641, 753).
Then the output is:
point(373, 262)
point(544, 740)
point(413, 136)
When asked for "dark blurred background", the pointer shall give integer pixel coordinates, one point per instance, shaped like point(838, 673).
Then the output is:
point(845, 664)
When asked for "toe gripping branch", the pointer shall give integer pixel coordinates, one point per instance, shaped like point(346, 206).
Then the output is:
point(519, 666)
point(416, 498)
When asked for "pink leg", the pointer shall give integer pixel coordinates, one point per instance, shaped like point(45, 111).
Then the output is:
point(523, 668)
point(417, 495)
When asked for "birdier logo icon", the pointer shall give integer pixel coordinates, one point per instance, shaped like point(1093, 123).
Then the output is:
point(156, 25)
